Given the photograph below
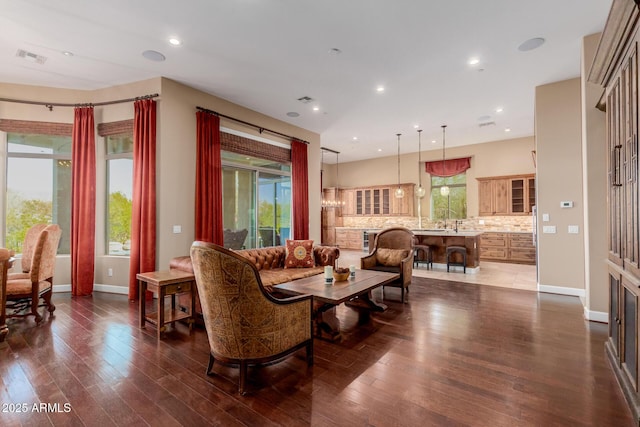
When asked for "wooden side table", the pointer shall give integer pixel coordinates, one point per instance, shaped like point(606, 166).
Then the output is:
point(164, 283)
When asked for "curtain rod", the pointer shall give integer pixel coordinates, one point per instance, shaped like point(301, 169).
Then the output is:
point(50, 105)
point(260, 128)
point(330, 150)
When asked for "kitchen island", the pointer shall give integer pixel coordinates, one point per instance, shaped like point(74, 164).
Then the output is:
point(439, 240)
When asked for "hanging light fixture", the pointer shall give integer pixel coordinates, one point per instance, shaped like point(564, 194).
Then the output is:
point(444, 190)
point(399, 193)
point(334, 202)
point(420, 191)
point(338, 203)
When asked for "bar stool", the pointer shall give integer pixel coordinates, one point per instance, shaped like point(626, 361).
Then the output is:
point(451, 251)
point(427, 257)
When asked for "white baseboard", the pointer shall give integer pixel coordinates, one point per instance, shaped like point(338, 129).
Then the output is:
point(592, 316)
point(111, 289)
point(561, 290)
point(596, 316)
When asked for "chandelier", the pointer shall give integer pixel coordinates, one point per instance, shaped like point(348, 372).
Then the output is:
point(335, 202)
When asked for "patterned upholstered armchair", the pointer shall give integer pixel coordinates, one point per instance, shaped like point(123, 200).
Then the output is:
point(245, 324)
point(29, 243)
point(23, 295)
point(4, 266)
point(392, 252)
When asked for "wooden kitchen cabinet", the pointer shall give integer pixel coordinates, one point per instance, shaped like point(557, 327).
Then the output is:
point(378, 201)
point(506, 195)
point(349, 238)
point(508, 247)
point(493, 246)
point(493, 197)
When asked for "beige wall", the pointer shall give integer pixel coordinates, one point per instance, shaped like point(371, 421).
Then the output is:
point(506, 157)
point(176, 154)
point(559, 158)
point(175, 159)
point(594, 154)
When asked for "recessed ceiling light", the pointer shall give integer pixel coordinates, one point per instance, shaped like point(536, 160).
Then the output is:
point(293, 114)
point(335, 51)
point(380, 89)
point(174, 41)
point(507, 130)
point(473, 61)
point(153, 55)
point(379, 149)
point(531, 44)
point(499, 110)
point(316, 108)
point(355, 138)
point(67, 53)
point(433, 141)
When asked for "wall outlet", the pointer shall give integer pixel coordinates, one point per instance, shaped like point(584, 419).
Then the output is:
point(545, 217)
point(177, 229)
point(110, 272)
point(481, 221)
point(573, 229)
point(549, 229)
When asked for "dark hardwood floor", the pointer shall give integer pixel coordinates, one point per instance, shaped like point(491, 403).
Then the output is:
point(455, 354)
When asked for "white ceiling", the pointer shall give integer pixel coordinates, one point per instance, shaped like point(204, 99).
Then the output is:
point(265, 54)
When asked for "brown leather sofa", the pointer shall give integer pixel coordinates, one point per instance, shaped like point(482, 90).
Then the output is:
point(270, 264)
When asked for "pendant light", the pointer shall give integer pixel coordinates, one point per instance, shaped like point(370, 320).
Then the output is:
point(338, 202)
point(420, 191)
point(444, 190)
point(399, 193)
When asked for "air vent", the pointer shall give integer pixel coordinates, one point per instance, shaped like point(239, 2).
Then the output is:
point(487, 124)
point(31, 57)
point(305, 99)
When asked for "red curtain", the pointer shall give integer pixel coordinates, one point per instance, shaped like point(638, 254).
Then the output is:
point(300, 189)
point(143, 210)
point(451, 167)
point(83, 202)
point(208, 179)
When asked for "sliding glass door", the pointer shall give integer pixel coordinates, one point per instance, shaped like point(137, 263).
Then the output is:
point(274, 213)
point(256, 202)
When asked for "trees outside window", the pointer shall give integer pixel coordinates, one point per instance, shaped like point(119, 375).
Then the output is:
point(119, 158)
point(453, 206)
point(38, 186)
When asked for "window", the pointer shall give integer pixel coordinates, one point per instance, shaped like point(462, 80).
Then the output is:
point(453, 206)
point(38, 186)
point(119, 158)
point(249, 182)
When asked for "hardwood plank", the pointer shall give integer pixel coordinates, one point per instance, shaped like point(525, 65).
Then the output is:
point(456, 354)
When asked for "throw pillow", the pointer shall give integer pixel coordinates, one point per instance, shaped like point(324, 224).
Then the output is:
point(299, 254)
point(391, 257)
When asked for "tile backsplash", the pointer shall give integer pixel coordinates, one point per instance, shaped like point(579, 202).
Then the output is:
point(488, 223)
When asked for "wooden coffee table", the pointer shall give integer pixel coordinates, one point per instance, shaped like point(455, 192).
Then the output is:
point(354, 292)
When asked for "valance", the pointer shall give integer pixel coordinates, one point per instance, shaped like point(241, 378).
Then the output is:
point(451, 167)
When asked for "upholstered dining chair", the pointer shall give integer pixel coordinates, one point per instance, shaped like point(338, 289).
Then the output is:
point(245, 324)
point(392, 252)
point(4, 266)
point(23, 295)
point(30, 240)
